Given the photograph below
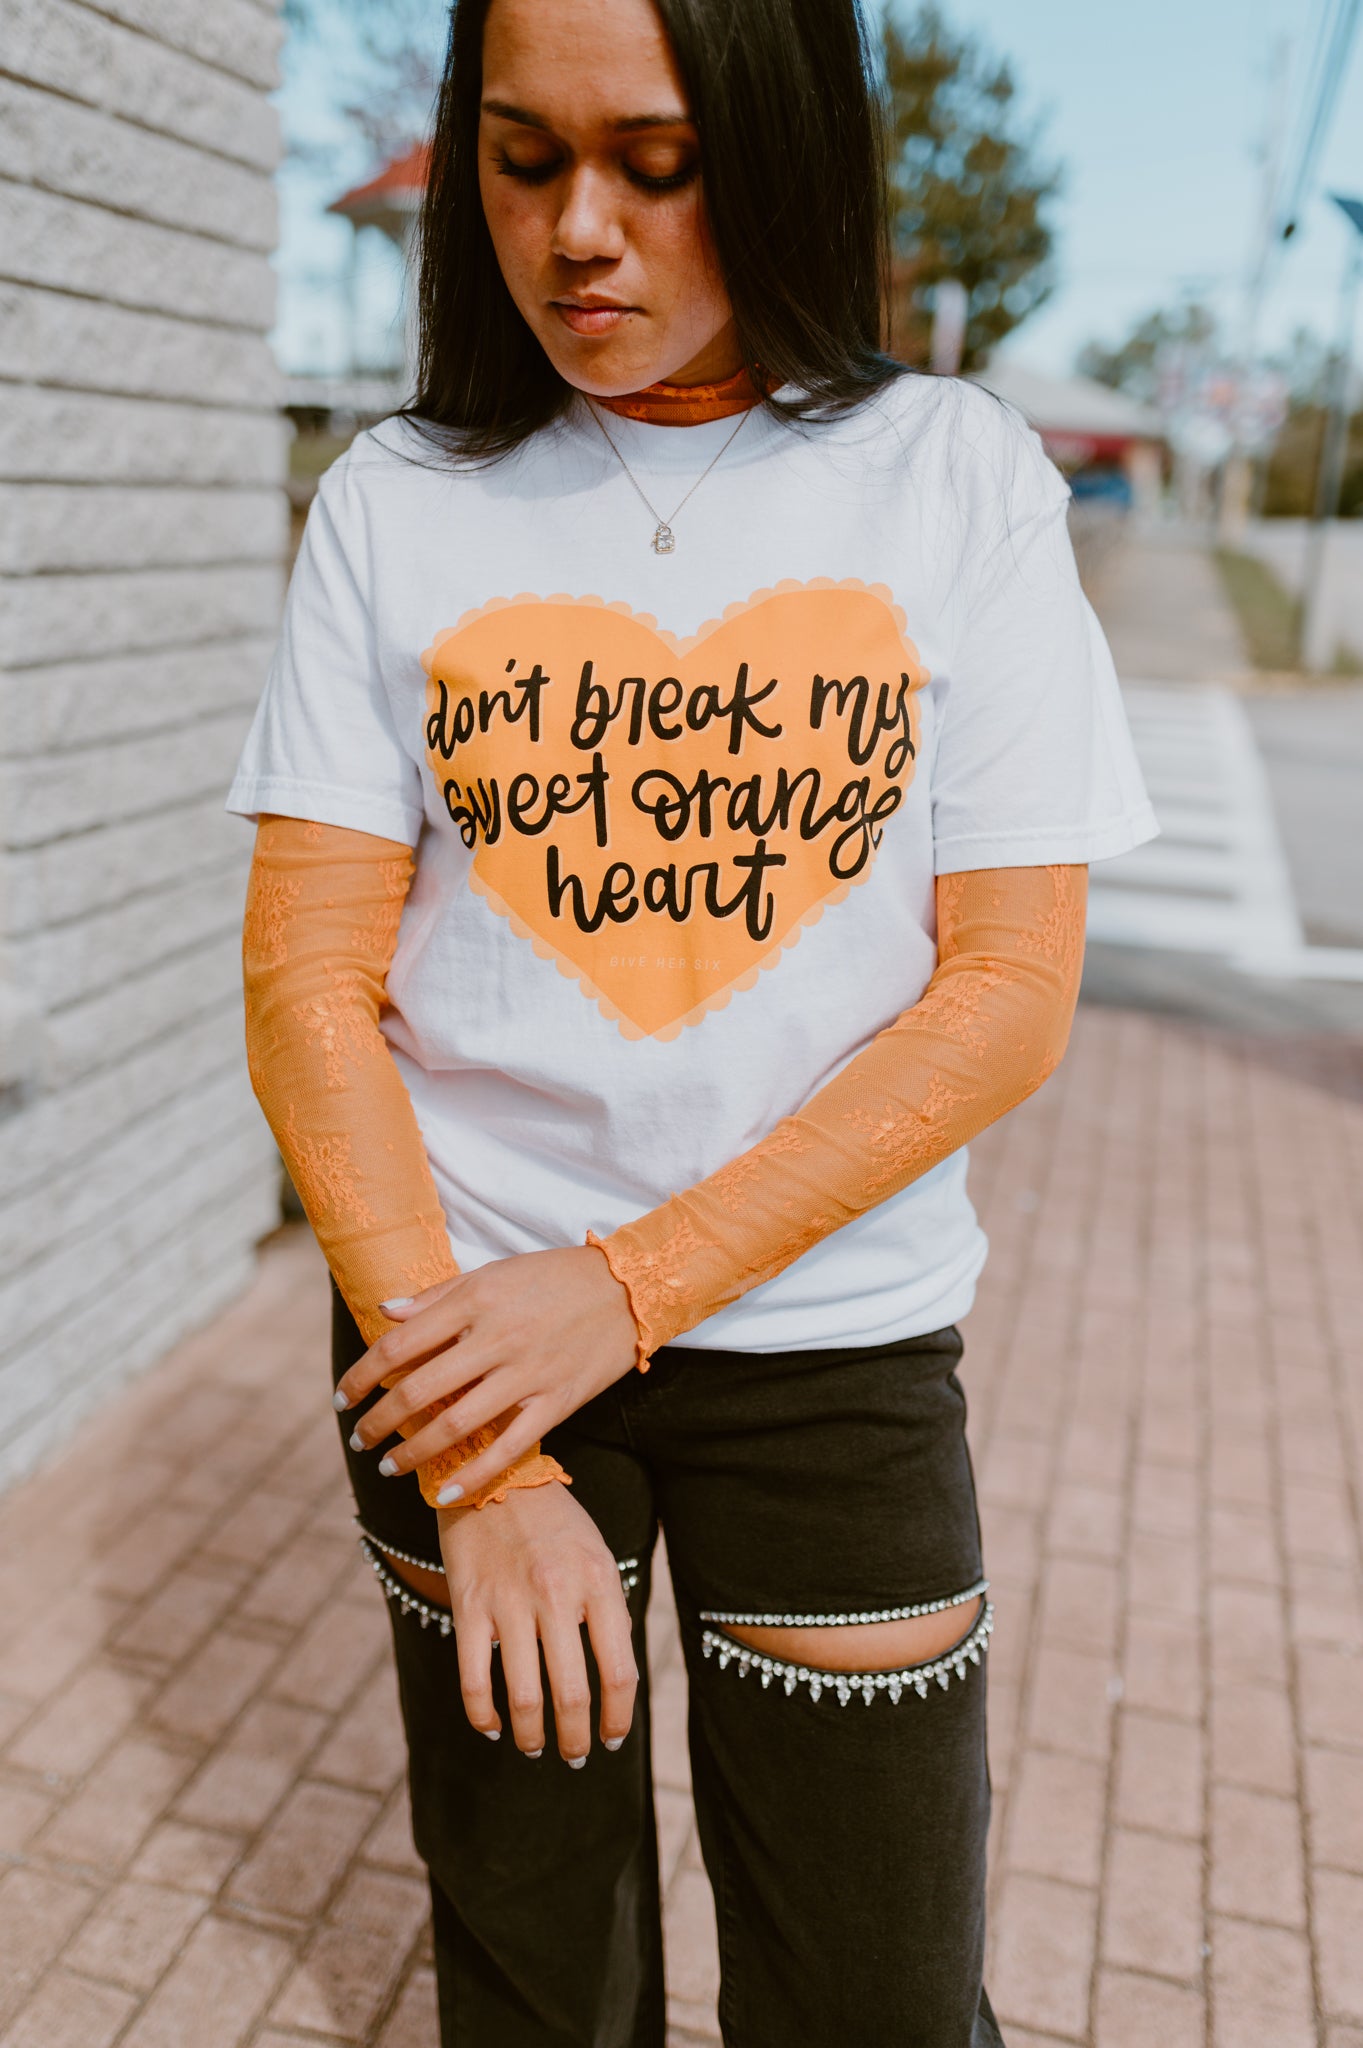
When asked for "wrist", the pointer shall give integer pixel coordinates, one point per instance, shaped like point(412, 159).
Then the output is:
point(629, 1277)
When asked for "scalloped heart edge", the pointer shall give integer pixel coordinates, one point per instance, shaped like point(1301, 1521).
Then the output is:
point(719, 1000)
point(682, 643)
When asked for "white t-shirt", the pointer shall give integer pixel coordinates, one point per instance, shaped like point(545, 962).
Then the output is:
point(678, 816)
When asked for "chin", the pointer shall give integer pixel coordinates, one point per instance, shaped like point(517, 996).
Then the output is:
point(601, 369)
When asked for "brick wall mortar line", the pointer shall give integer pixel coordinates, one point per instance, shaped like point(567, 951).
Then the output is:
point(194, 56)
point(118, 118)
point(29, 284)
point(261, 250)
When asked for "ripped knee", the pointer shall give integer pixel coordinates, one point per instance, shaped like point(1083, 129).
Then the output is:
point(416, 1583)
point(889, 1650)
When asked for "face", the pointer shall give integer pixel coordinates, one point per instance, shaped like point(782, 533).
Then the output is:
point(589, 166)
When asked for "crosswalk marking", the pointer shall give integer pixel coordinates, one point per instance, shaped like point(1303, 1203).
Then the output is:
point(1217, 880)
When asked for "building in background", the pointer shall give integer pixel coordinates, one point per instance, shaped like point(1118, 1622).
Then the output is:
point(142, 528)
point(1102, 439)
point(391, 203)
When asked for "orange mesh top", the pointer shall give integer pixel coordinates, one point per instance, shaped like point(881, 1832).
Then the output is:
point(686, 405)
point(322, 914)
point(990, 1026)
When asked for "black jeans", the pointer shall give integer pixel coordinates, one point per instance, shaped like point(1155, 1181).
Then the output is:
point(842, 1817)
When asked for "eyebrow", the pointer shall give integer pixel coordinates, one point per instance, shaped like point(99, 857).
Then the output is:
point(629, 125)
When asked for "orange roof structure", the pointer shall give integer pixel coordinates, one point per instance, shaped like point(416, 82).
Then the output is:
point(390, 199)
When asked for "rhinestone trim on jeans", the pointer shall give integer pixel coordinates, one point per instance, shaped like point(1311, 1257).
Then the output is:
point(412, 1603)
point(408, 1601)
point(917, 1677)
point(847, 1620)
point(391, 1550)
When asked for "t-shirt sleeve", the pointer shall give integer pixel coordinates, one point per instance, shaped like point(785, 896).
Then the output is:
point(1034, 763)
point(323, 744)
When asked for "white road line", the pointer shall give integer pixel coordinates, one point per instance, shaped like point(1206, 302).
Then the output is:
point(1217, 881)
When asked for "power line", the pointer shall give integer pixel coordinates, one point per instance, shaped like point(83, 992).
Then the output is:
point(1324, 78)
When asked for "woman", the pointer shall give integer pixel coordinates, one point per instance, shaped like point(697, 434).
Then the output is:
point(675, 788)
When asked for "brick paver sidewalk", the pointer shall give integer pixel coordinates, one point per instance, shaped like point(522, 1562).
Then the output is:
point(201, 1809)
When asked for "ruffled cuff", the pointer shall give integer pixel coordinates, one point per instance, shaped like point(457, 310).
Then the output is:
point(652, 1284)
point(533, 1468)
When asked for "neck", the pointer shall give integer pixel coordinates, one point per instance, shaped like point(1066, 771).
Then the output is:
point(686, 405)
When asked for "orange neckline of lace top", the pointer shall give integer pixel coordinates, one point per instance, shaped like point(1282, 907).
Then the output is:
point(686, 405)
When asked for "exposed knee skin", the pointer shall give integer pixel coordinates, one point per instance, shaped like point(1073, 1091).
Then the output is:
point(430, 1585)
point(865, 1646)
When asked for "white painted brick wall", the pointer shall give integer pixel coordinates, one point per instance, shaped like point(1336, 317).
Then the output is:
point(142, 528)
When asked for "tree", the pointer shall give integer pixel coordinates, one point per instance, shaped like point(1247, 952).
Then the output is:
point(968, 191)
point(1136, 364)
point(380, 61)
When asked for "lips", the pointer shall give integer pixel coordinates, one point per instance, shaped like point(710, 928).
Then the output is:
point(601, 316)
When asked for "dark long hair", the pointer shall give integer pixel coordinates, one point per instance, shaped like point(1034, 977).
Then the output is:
point(793, 164)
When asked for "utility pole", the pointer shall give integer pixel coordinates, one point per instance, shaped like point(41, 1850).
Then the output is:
point(1319, 637)
point(1236, 475)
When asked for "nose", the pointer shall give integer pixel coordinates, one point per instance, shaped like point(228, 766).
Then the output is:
point(589, 227)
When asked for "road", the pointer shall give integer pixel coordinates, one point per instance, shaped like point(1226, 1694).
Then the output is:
point(1248, 912)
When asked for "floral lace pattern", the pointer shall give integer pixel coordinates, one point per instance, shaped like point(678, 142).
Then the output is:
point(989, 1029)
point(339, 1027)
point(324, 1173)
point(322, 921)
point(269, 913)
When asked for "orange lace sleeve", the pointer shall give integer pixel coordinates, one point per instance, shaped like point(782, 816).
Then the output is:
point(992, 1024)
point(322, 913)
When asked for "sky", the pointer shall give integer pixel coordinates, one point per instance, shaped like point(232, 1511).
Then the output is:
point(1156, 111)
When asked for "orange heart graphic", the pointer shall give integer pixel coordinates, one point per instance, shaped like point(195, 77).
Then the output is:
point(662, 816)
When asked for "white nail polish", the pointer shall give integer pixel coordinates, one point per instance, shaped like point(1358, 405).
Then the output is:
point(575, 1763)
point(492, 1734)
point(398, 1301)
point(356, 1441)
point(340, 1402)
point(388, 1468)
point(447, 1495)
point(532, 1753)
point(614, 1741)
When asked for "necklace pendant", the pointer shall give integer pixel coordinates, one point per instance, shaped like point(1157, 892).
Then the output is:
point(664, 540)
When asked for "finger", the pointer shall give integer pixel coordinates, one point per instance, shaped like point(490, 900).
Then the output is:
point(473, 1641)
point(572, 1695)
point(521, 1670)
point(498, 1403)
point(422, 1333)
point(608, 1625)
point(499, 1407)
point(402, 1307)
point(439, 1382)
point(521, 1433)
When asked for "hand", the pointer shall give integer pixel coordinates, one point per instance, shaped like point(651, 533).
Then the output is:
point(528, 1571)
point(523, 1343)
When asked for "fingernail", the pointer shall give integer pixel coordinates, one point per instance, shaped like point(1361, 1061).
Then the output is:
point(447, 1495)
point(492, 1734)
point(398, 1301)
point(388, 1468)
point(532, 1753)
point(575, 1763)
point(614, 1741)
point(340, 1402)
point(356, 1441)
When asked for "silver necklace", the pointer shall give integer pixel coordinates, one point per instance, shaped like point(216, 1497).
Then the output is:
point(664, 540)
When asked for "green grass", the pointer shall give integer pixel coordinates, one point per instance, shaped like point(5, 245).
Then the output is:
point(1270, 617)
